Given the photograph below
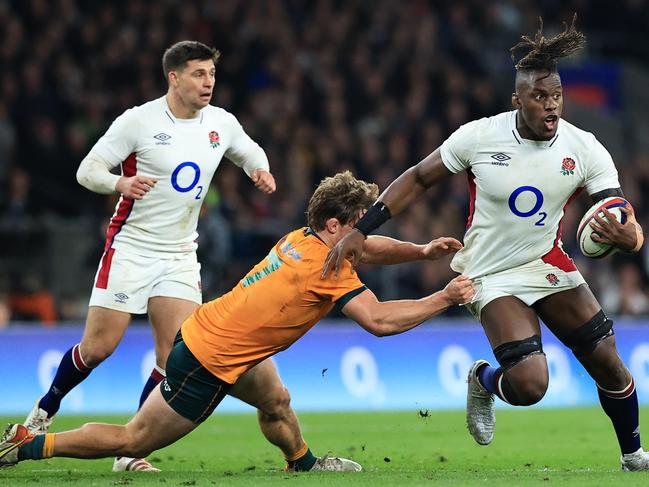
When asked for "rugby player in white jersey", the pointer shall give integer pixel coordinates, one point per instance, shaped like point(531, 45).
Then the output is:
point(168, 150)
point(524, 167)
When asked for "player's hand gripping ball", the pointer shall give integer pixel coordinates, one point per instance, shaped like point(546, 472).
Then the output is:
point(587, 245)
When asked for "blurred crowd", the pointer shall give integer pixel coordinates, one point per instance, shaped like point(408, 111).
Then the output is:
point(323, 86)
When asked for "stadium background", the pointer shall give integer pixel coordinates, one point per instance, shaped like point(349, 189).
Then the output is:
point(371, 86)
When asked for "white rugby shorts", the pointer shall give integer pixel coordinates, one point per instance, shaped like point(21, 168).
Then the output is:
point(528, 282)
point(125, 281)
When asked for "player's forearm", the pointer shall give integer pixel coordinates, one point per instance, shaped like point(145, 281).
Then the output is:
point(259, 161)
point(94, 174)
point(639, 236)
point(394, 317)
point(380, 250)
point(250, 157)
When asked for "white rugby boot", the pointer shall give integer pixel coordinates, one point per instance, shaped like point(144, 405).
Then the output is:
point(127, 464)
point(37, 421)
point(636, 461)
point(480, 409)
point(335, 464)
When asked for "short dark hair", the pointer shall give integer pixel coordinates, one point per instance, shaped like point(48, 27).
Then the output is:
point(176, 56)
point(542, 53)
point(341, 196)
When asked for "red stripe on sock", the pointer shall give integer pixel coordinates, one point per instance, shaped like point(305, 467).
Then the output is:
point(156, 375)
point(77, 361)
point(623, 394)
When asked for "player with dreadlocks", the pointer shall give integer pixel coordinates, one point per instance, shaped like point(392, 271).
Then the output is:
point(524, 167)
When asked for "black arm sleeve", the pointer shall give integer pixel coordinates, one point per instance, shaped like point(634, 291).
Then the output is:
point(376, 216)
point(606, 193)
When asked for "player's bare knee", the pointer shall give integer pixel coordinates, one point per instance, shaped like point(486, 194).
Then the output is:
point(525, 378)
point(528, 380)
point(530, 391)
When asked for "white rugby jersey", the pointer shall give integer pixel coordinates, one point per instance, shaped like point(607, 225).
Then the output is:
point(519, 189)
point(182, 154)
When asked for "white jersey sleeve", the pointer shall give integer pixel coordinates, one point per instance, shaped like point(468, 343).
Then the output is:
point(245, 152)
point(459, 149)
point(94, 174)
point(601, 173)
point(120, 140)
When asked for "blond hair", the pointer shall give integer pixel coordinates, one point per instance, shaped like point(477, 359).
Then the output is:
point(341, 196)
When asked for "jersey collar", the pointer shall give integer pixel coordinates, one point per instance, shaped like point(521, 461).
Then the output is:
point(534, 143)
point(182, 121)
point(309, 231)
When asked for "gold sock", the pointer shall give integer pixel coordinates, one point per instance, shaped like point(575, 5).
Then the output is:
point(298, 454)
point(48, 446)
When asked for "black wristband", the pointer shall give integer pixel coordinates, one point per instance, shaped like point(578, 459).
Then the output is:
point(376, 216)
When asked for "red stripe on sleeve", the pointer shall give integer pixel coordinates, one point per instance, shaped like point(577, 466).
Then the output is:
point(472, 195)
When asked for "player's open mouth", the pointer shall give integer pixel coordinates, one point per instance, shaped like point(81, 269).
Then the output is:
point(551, 122)
point(206, 96)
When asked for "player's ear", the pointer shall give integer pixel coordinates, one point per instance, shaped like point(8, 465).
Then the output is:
point(332, 225)
point(173, 79)
point(516, 101)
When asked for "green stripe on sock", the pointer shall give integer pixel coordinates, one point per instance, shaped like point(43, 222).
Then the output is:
point(304, 463)
point(32, 450)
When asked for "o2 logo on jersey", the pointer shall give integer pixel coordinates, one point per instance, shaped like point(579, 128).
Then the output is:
point(186, 167)
point(535, 208)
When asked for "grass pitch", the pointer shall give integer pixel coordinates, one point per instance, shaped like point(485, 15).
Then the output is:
point(531, 447)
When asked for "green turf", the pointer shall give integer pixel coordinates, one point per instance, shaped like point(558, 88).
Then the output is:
point(532, 447)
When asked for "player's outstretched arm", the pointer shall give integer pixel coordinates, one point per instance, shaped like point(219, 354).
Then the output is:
point(394, 317)
point(399, 195)
point(380, 250)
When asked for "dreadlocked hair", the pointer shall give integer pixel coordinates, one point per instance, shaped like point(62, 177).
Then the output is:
point(544, 53)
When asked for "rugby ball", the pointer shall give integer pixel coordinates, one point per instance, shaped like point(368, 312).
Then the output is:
point(587, 245)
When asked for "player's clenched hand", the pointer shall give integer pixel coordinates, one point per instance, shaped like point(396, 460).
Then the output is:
point(440, 247)
point(460, 290)
point(135, 187)
point(264, 181)
point(610, 231)
point(349, 247)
